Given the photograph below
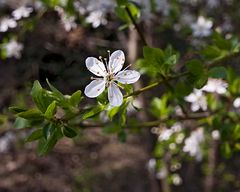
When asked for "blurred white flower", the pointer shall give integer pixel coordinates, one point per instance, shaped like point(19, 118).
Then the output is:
point(67, 21)
point(22, 12)
point(5, 142)
point(176, 179)
point(215, 134)
point(162, 173)
point(151, 165)
point(215, 86)
point(175, 166)
point(108, 74)
point(165, 134)
point(172, 146)
point(192, 144)
point(13, 49)
point(177, 127)
point(179, 138)
point(236, 102)
point(202, 27)
point(7, 23)
point(96, 18)
point(178, 110)
point(197, 100)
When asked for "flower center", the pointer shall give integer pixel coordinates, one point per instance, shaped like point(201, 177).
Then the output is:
point(109, 79)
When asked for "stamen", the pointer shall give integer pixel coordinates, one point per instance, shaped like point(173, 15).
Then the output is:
point(127, 67)
point(118, 85)
point(96, 78)
point(101, 59)
point(109, 52)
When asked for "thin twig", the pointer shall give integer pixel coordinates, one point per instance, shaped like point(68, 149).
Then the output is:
point(136, 26)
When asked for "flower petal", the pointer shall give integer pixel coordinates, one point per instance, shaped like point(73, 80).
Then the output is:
point(115, 96)
point(127, 76)
point(95, 88)
point(96, 66)
point(116, 61)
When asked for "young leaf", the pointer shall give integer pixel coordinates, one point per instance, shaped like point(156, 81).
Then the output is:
point(40, 97)
point(93, 111)
point(15, 109)
point(35, 135)
point(75, 98)
point(31, 114)
point(44, 146)
point(69, 132)
point(57, 93)
point(51, 110)
point(21, 123)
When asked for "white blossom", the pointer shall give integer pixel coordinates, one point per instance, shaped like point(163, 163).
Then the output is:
point(176, 179)
point(96, 11)
point(177, 127)
point(215, 86)
point(215, 134)
point(108, 76)
point(165, 134)
point(68, 21)
point(172, 146)
point(202, 28)
point(162, 173)
point(179, 138)
point(22, 12)
point(5, 142)
point(13, 49)
point(96, 18)
point(151, 165)
point(163, 6)
point(7, 23)
point(236, 102)
point(197, 100)
point(192, 144)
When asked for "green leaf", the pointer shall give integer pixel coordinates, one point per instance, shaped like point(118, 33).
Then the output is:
point(93, 111)
point(226, 150)
point(56, 92)
point(172, 60)
point(51, 110)
point(218, 72)
point(44, 146)
point(195, 67)
point(159, 107)
point(15, 109)
point(122, 2)
point(31, 114)
point(69, 132)
point(220, 42)
point(212, 52)
point(35, 135)
point(47, 130)
point(76, 98)
point(112, 112)
point(21, 123)
point(40, 98)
